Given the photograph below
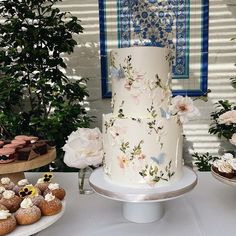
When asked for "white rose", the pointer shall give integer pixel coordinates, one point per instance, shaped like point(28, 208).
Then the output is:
point(83, 148)
point(228, 118)
point(233, 139)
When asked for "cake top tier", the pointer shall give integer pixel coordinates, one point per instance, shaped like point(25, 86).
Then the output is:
point(140, 81)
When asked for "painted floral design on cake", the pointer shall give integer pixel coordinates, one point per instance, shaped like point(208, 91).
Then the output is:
point(152, 174)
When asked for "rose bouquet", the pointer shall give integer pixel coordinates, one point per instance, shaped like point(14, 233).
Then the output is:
point(84, 149)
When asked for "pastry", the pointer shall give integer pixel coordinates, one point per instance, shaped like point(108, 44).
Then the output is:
point(12, 145)
point(50, 206)
point(28, 213)
point(7, 222)
point(20, 184)
point(223, 168)
point(42, 183)
point(7, 183)
point(24, 153)
point(7, 155)
point(56, 190)
point(10, 200)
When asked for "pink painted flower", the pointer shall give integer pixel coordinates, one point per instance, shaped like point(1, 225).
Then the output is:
point(228, 118)
point(115, 134)
point(128, 84)
point(123, 161)
point(233, 139)
point(184, 108)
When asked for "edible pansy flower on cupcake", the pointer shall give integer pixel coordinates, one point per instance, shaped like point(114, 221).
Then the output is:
point(42, 183)
point(20, 184)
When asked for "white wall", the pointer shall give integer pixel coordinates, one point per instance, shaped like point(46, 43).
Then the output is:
point(222, 56)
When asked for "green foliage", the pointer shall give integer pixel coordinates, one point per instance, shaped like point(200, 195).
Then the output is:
point(204, 161)
point(222, 130)
point(38, 98)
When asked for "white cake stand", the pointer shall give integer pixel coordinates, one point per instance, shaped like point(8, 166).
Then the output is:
point(142, 205)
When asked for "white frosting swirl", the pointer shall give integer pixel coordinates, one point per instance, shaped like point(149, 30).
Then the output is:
point(5, 180)
point(2, 189)
point(26, 203)
point(40, 181)
point(53, 186)
point(218, 163)
point(4, 214)
point(225, 167)
point(49, 197)
point(8, 194)
point(23, 182)
point(232, 162)
point(228, 156)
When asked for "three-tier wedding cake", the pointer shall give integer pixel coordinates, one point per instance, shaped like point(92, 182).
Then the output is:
point(142, 141)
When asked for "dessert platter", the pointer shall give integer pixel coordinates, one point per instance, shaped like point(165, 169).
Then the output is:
point(27, 208)
point(24, 153)
point(143, 136)
point(224, 169)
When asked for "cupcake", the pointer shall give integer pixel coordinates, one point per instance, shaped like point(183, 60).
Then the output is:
point(7, 155)
point(10, 200)
point(50, 206)
point(7, 222)
point(28, 213)
point(20, 184)
point(7, 183)
point(42, 183)
point(56, 190)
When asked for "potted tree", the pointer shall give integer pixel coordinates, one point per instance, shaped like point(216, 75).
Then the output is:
point(36, 95)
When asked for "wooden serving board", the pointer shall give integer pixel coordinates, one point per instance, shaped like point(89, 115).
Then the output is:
point(15, 170)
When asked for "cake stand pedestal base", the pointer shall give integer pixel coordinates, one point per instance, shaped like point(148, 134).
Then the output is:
point(142, 205)
point(142, 212)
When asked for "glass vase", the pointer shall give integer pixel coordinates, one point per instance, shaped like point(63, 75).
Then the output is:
point(83, 175)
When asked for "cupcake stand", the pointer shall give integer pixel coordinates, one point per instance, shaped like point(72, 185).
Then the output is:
point(15, 170)
point(142, 205)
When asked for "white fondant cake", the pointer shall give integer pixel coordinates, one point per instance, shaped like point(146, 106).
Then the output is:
point(142, 141)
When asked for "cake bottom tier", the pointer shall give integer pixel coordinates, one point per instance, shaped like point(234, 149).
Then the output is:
point(142, 152)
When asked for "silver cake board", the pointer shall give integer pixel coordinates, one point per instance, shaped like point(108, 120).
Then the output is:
point(142, 205)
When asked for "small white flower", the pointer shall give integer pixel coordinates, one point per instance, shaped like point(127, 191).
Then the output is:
point(184, 108)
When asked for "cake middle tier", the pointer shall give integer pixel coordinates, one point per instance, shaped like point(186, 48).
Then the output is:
point(140, 80)
point(142, 152)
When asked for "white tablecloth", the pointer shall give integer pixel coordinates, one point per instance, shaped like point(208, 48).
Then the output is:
point(209, 210)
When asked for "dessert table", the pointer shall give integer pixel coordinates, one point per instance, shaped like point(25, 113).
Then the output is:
point(209, 209)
